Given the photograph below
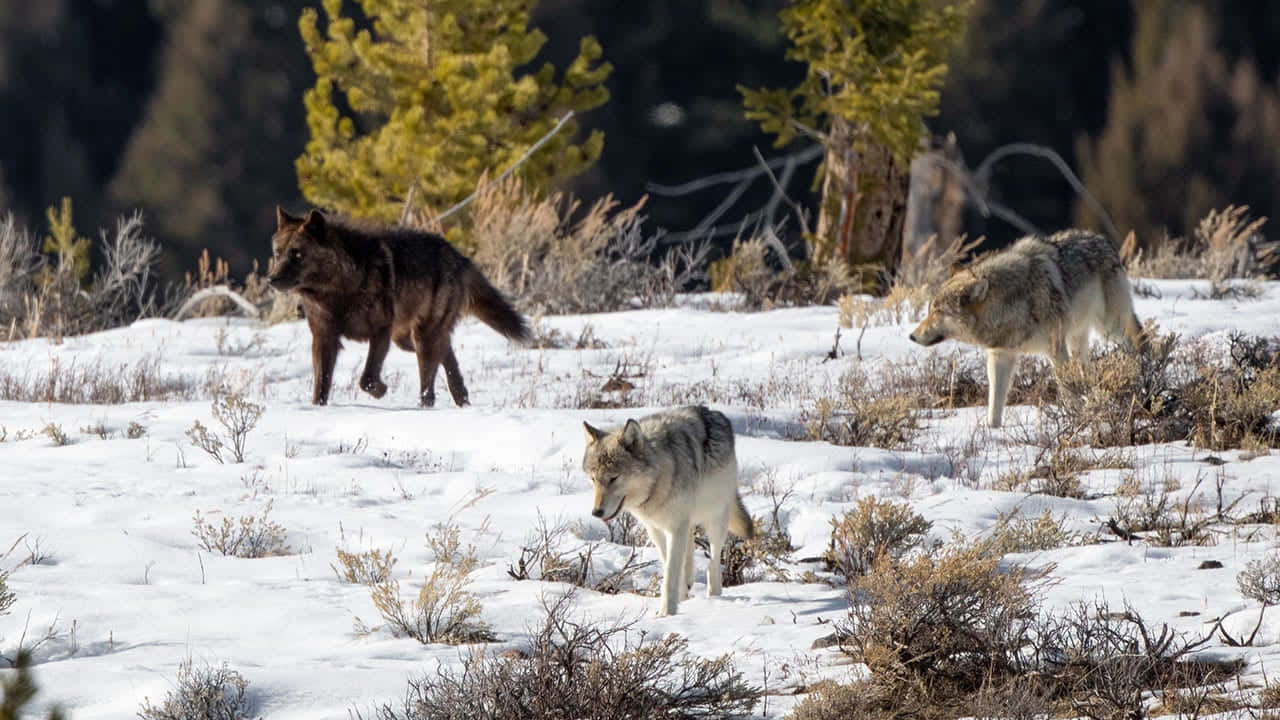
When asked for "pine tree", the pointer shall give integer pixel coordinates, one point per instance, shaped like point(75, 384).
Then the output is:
point(438, 95)
point(874, 72)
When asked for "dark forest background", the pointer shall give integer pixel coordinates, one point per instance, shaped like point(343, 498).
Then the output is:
point(192, 109)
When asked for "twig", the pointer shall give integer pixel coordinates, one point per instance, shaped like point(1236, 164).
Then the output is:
point(408, 205)
point(799, 157)
point(804, 225)
point(984, 174)
point(520, 161)
point(249, 308)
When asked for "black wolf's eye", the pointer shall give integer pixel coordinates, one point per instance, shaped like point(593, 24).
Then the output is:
point(295, 254)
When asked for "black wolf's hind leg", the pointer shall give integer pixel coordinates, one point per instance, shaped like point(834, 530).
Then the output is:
point(429, 352)
point(371, 378)
point(453, 375)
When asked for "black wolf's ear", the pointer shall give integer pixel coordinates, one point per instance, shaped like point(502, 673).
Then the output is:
point(978, 291)
point(314, 225)
point(630, 435)
point(284, 219)
point(593, 433)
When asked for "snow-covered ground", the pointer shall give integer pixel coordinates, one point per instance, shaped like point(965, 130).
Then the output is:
point(131, 594)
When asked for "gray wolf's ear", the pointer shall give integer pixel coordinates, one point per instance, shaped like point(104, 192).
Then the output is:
point(631, 435)
point(593, 433)
point(978, 291)
point(957, 268)
point(314, 225)
point(284, 219)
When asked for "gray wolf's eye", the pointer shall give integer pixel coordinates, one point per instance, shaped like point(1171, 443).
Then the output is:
point(613, 479)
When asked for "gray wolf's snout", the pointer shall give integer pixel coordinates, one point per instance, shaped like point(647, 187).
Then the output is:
point(598, 512)
point(913, 338)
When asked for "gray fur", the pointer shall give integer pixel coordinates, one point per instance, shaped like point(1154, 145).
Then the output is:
point(672, 470)
point(1042, 295)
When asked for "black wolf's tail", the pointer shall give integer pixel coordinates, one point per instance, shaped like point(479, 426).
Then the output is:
point(486, 303)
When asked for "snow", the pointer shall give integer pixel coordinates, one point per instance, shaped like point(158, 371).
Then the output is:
point(131, 594)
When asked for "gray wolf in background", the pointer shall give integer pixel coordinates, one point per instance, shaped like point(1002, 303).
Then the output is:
point(382, 284)
point(673, 471)
point(1041, 295)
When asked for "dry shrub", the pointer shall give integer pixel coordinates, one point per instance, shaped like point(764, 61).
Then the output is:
point(932, 263)
point(533, 248)
point(874, 531)
point(1106, 662)
point(237, 416)
point(1174, 392)
point(581, 669)
point(443, 611)
point(247, 536)
point(940, 625)
point(206, 693)
point(541, 558)
point(54, 432)
point(760, 271)
point(902, 304)
point(863, 413)
point(53, 295)
point(1227, 244)
point(96, 383)
point(1013, 533)
point(364, 567)
point(214, 274)
point(860, 700)
point(754, 559)
point(1165, 520)
point(1260, 580)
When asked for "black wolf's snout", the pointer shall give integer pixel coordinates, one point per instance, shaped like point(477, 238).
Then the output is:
point(283, 280)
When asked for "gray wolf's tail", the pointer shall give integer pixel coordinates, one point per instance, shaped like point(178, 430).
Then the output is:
point(486, 303)
point(740, 522)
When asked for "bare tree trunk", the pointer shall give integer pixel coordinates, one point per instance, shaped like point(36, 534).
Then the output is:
point(935, 205)
point(864, 205)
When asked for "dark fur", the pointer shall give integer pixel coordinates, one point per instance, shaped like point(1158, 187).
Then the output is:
point(383, 285)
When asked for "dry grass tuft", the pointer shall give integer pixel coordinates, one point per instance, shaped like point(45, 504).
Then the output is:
point(96, 383)
point(554, 257)
point(874, 531)
point(247, 536)
point(443, 611)
point(864, 413)
point(1227, 245)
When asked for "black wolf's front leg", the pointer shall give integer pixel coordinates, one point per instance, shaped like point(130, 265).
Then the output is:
point(324, 355)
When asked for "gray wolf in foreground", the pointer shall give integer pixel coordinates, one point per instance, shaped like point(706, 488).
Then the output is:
point(381, 284)
point(1041, 295)
point(673, 471)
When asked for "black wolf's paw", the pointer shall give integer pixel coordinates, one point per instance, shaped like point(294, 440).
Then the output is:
point(373, 386)
point(427, 400)
point(461, 401)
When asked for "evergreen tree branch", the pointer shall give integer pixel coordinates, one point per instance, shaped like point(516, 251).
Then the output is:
point(506, 173)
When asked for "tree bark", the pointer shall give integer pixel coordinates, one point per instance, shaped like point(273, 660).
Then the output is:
point(864, 206)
